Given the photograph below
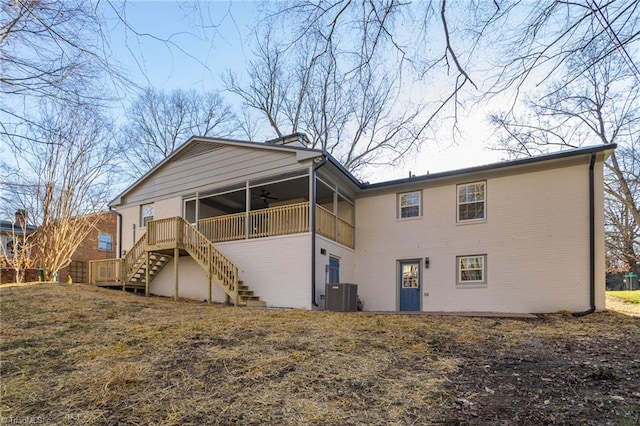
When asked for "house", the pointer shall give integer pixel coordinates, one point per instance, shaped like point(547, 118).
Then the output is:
point(269, 224)
point(12, 233)
point(99, 244)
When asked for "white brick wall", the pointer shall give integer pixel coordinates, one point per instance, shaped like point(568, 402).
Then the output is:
point(536, 238)
point(192, 282)
point(278, 269)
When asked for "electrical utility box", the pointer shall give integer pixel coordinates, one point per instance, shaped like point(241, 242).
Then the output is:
point(342, 297)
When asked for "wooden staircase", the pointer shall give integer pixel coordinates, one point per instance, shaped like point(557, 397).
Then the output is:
point(167, 238)
point(247, 298)
point(136, 277)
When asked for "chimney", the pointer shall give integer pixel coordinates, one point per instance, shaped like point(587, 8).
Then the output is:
point(20, 218)
point(298, 140)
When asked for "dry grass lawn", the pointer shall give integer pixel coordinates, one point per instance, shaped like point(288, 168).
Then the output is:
point(626, 296)
point(74, 354)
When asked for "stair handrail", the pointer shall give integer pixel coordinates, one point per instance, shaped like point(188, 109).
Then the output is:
point(133, 258)
point(210, 256)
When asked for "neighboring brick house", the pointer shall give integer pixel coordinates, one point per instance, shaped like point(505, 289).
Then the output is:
point(11, 232)
point(100, 244)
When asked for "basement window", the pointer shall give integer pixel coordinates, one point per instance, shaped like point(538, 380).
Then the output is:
point(472, 269)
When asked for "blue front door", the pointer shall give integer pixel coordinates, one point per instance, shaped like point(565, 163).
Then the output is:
point(334, 270)
point(409, 286)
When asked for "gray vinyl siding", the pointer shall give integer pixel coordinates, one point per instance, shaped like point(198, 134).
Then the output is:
point(218, 168)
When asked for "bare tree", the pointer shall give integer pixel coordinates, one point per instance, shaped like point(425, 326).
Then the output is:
point(16, 253)
point(553, 35)
point(623, 227)
point(483, 48)
point(599, 106)
point(158, 123)
point(349, 109)
point(54, 50)
point(64, 162)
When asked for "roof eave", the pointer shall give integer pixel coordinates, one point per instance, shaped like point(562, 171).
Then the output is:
point(309, 153)
point(606, 149)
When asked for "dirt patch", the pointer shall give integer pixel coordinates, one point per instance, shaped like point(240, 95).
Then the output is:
point(73, 354)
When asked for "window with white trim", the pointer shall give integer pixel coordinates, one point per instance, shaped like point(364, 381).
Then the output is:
point(7, 249)
point(409, 205)
point(472, 269)
point(471, 201)
point(146, 214)
point(105, 242)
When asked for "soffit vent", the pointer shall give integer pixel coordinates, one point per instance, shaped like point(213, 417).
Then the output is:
point(198, 148)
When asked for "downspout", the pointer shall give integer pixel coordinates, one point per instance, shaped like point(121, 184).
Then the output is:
point(119, 231)
point(592, 241)
point(312, 211)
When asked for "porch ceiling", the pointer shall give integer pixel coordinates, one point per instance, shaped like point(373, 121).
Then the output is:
point(295, 189)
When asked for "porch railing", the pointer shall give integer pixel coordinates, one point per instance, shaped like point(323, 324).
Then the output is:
point(224, 228)
point(177, 232)
point(163, 232)
point(325, 223)
point(346, 234)
point(281, 220)
point(105, 271)
point(330, 226)
point(133, 259)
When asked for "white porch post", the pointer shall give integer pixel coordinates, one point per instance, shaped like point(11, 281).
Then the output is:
point(312, 200)
point(335, 213)
point(198, 211)
point(247, 207)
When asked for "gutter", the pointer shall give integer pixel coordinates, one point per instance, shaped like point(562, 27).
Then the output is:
point(312, 208)
point(592, 240)
point(490, 167)
point(119, 231)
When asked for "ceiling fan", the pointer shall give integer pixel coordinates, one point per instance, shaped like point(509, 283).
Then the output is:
point(265, 196)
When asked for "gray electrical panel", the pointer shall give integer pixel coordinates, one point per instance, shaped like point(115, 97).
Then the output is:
point(342, 297)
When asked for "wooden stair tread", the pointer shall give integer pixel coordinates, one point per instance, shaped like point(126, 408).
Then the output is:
point(249, 297)
point(256, 303)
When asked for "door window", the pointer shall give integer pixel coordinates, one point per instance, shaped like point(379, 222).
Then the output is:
point(410, 275)
point(334, 270)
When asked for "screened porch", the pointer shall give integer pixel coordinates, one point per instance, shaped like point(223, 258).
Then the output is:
point(275, 207)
